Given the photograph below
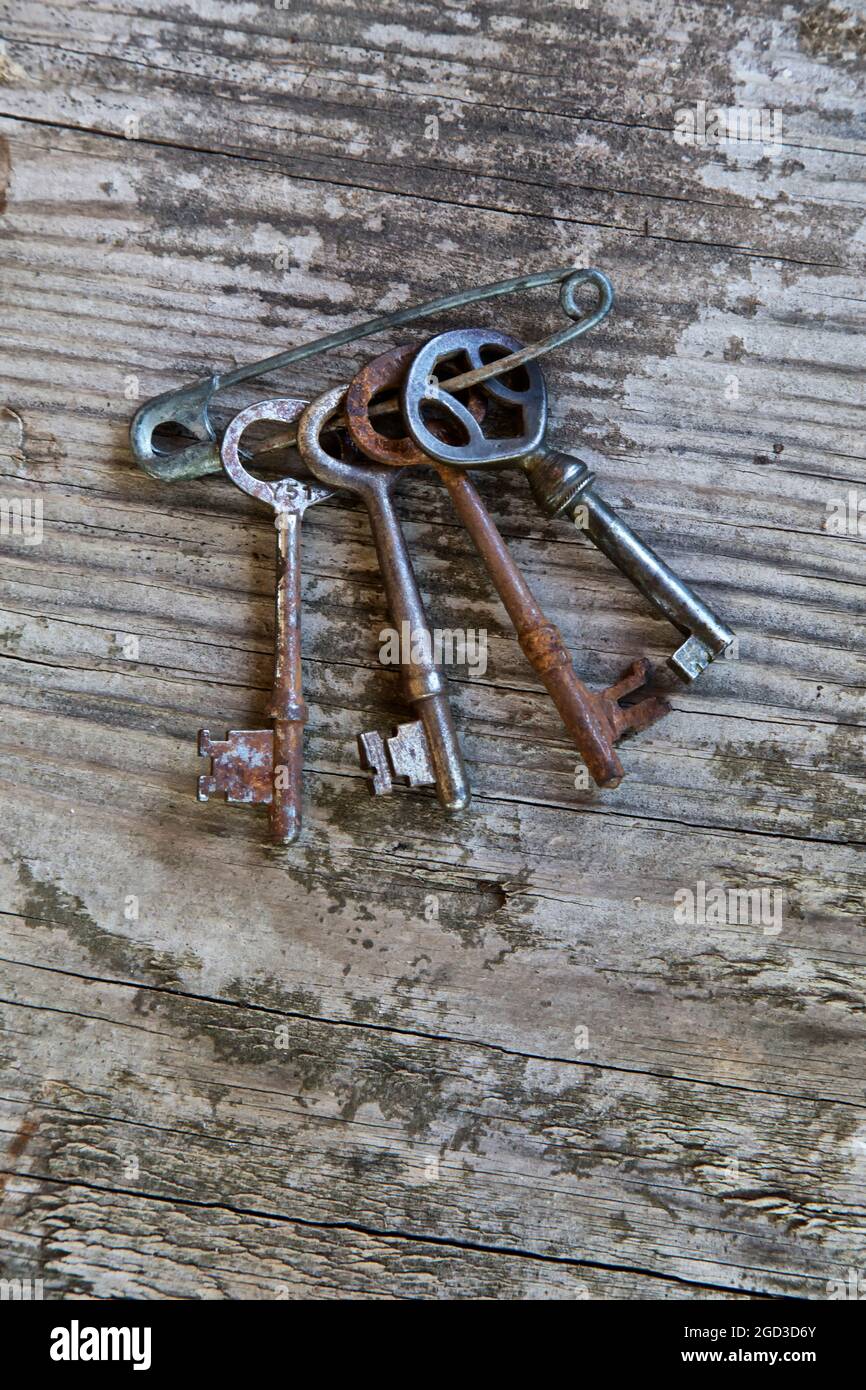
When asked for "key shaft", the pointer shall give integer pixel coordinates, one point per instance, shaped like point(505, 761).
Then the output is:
point(287, 708)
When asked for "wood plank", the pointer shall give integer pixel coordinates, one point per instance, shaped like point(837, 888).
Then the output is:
point(389, 1133)
point(529, 926)
point(94, 1243)
point(511, 1068)
point(375, 100)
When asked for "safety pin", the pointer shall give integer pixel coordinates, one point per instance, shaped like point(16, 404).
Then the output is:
point(188, 406)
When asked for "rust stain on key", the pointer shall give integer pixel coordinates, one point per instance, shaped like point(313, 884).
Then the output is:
point(595, 719)
point(265, 766)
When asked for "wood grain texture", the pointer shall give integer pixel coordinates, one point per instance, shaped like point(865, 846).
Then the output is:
point(416, 1056)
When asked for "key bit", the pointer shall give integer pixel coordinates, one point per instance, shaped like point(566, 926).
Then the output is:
point(627, 719)
point(241, 766)
point(402, 757)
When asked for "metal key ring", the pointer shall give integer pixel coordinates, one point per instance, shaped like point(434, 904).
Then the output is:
point(386, 373)
point(377, 480)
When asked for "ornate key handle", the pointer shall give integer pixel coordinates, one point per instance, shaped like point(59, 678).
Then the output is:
point(287, 496)
point(421, 391)
point(189, 406)
point(265, 766)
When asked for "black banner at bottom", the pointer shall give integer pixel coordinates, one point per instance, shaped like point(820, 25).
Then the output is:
point(80, 1339)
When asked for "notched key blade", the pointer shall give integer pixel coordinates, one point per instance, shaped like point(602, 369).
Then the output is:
point(630, 719)
point(409, 755)
point(374, 759)
point(241, 766)
point(404, 757)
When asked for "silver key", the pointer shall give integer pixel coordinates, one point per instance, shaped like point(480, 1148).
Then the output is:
point(423, 680)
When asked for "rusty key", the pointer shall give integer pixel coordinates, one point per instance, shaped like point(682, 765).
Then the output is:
point(265, 766)
point(595, 719)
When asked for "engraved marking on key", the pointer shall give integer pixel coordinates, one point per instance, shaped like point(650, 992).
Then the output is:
point(423, 681)
point(594, 719)
point(563, 484)
point(265, 766)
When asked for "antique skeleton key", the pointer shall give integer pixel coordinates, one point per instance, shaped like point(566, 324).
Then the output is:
point(265, 766)
point(595, 719)
point(427, 751)
point(561, 484)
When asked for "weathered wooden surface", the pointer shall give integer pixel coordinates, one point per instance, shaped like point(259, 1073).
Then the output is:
point(357, 1067)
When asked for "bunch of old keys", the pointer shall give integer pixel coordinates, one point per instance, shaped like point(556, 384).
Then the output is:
point(452, 395)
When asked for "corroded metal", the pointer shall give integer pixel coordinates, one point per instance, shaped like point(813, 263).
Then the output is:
point(241, 766)
point(384, 373)
point(595, 720)
point(189, 406)
point(423, 681)
point(265, 766)
point(563, 485)
point(404, 757)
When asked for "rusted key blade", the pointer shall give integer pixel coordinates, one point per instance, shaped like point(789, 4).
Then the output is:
point(288, 708)
point(594, 719)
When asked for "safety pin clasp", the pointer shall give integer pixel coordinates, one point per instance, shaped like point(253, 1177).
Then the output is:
point(188, 408)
